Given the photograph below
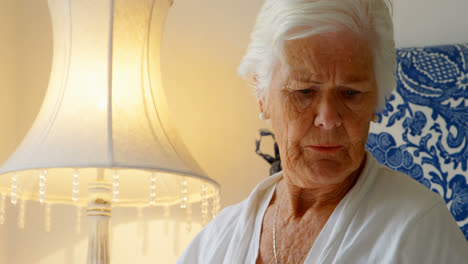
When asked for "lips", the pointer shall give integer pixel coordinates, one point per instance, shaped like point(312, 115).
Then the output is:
point(325, 148)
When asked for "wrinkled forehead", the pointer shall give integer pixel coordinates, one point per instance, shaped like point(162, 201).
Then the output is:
point(344, 54)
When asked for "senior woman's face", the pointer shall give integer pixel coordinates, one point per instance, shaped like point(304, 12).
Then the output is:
point(321, 107)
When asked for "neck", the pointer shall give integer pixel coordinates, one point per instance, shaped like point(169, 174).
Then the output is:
point(317, 199)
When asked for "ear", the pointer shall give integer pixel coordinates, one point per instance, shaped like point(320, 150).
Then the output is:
point(264, 115)
point(261, 106)
point(255, 82)
point(260, 102)
point(255, 79)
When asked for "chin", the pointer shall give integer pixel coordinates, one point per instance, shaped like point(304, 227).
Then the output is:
point(329, 171)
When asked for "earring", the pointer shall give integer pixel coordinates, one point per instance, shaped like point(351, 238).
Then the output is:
point(376, 119)
point(263, 116)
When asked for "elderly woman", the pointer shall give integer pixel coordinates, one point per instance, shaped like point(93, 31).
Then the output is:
point(321, 70)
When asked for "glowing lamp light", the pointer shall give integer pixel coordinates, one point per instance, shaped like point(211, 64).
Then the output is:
point(103, 138)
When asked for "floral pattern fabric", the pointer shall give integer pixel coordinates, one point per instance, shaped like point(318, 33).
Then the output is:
point(423, 130)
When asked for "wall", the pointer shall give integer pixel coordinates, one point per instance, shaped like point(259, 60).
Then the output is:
point(8, 71)
point(7, 96)
point(430, 22)
point(214, 110)
point(34, 46)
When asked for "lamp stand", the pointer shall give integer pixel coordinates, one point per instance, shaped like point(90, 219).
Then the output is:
point(99, 213)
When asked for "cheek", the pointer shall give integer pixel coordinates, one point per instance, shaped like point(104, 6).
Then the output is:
point(357, 121)
point(295, 116)
point(292, 106)
point(358, 129)
point(289, 147)
point(288, 133)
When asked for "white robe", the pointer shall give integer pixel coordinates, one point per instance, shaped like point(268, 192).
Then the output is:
point(387, 217)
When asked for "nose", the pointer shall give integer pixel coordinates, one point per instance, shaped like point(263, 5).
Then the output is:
point(327, 116)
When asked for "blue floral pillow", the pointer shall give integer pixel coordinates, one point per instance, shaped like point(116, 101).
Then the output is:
point(423, 130)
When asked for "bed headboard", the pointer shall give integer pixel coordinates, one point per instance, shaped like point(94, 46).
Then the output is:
point(423, 130)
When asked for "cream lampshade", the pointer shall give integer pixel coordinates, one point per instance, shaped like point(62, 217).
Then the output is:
point(103, 137)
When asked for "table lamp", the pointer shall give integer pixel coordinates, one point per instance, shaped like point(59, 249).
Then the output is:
point(103, 137)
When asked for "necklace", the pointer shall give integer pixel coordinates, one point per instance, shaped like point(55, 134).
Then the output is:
point(274, 237)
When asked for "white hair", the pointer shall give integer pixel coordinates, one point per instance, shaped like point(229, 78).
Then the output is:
point(282, 20)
